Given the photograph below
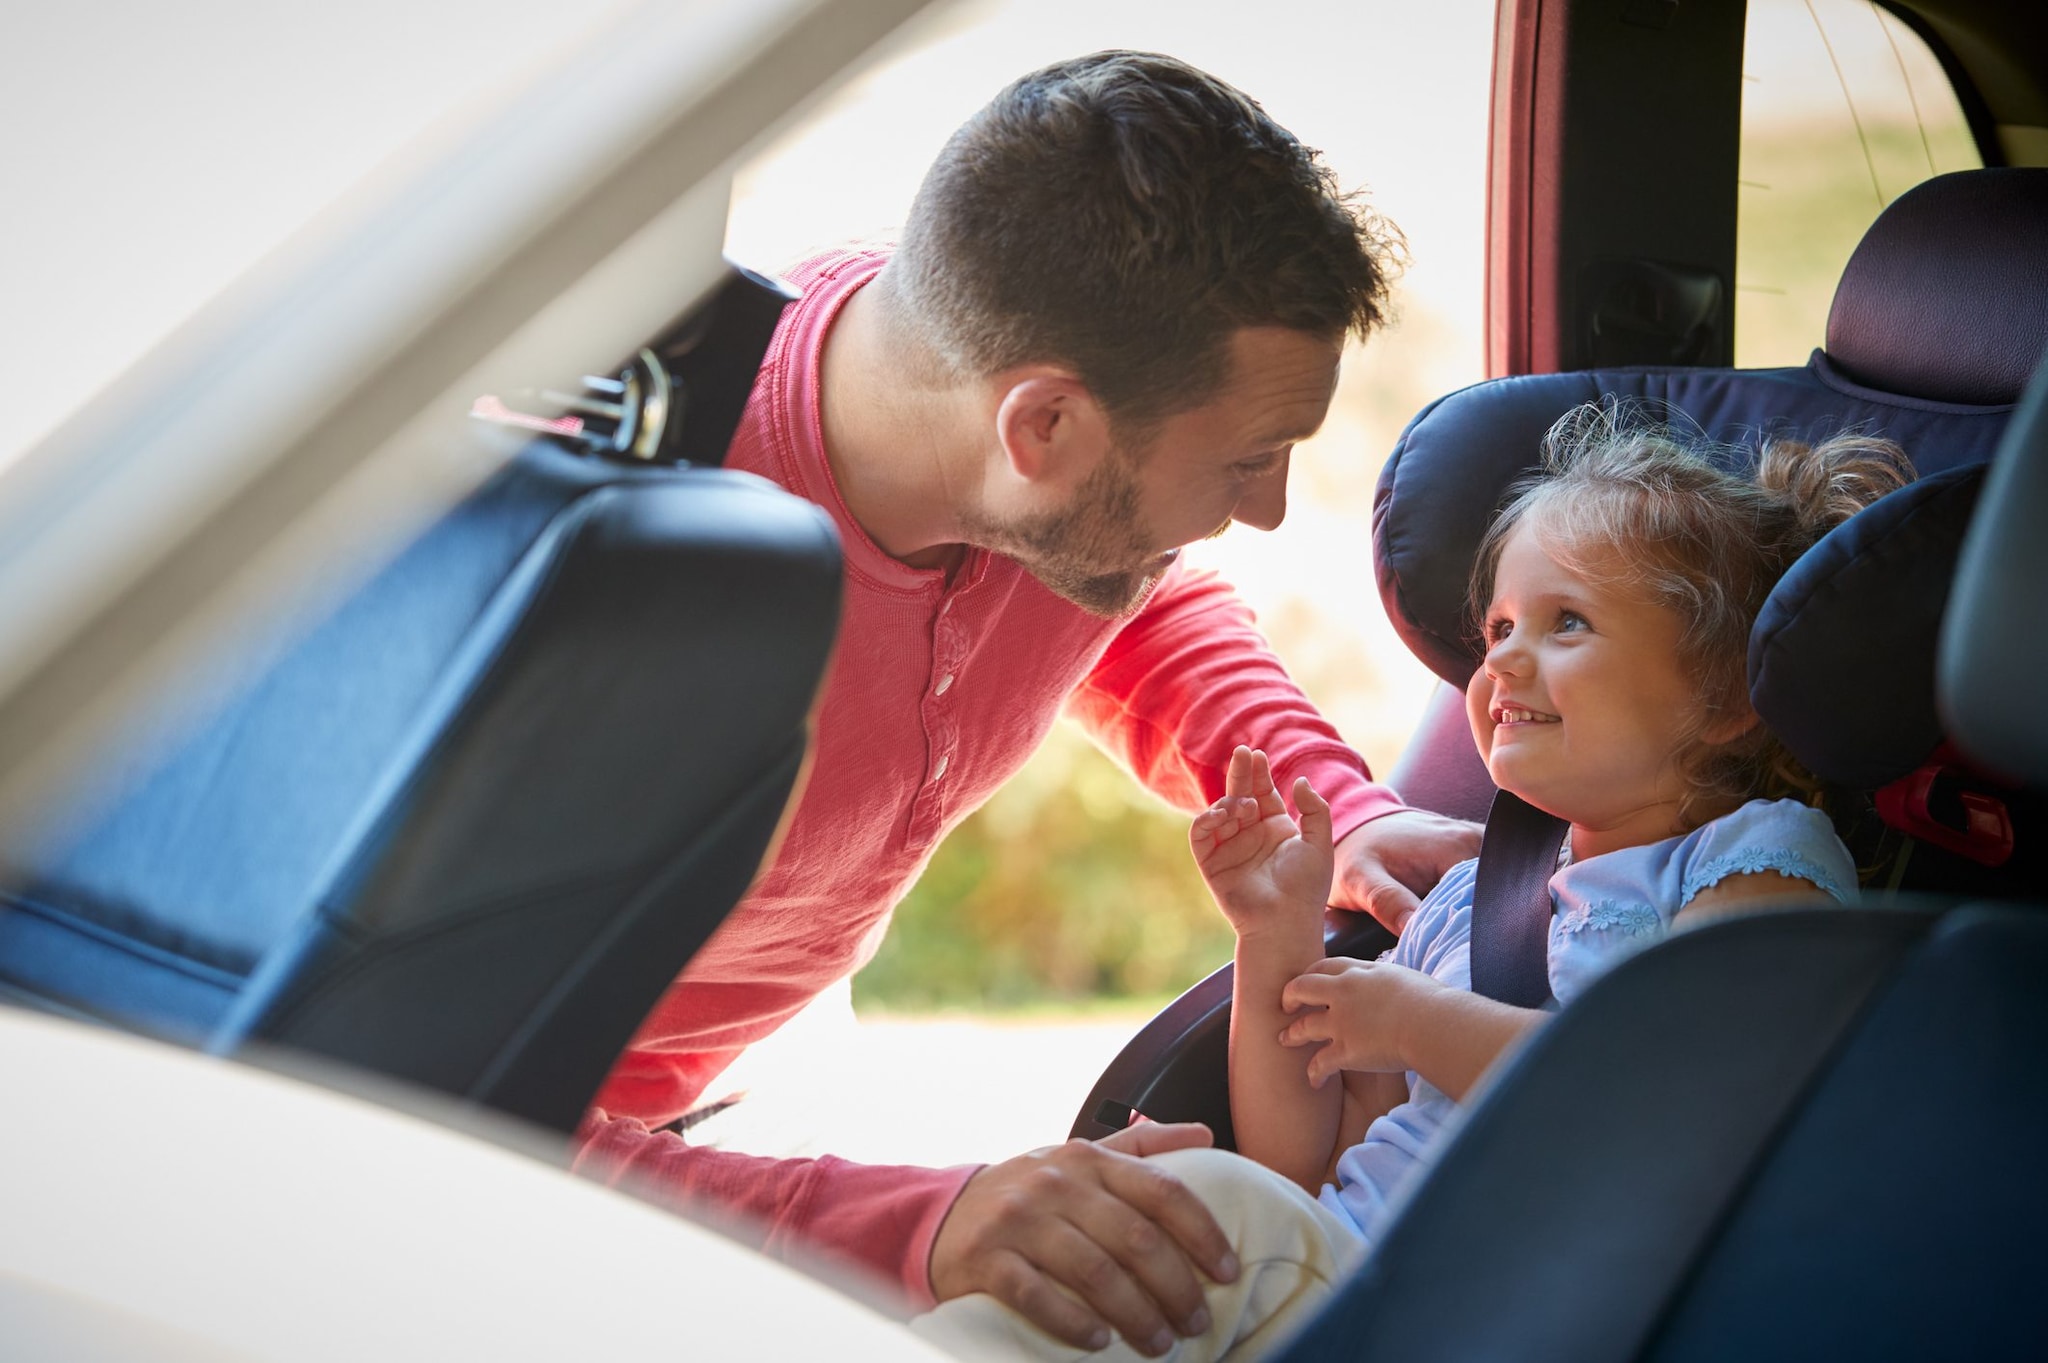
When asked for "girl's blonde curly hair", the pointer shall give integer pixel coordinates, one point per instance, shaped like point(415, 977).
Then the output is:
point(1628, 501)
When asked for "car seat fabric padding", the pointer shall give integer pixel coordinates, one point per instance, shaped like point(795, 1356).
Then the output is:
point(602, 794)
point(192, 850)
point(1444, 479)
point(1841, 658)
point(475, 819)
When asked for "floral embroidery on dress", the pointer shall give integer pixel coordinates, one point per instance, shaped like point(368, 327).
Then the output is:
point(1621, 915)
point(1591, 937)
point(1751, 860)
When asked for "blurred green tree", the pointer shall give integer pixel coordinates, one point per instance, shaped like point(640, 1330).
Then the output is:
point(1071, 884)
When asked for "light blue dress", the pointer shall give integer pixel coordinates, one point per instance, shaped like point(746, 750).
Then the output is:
point(1603, 910)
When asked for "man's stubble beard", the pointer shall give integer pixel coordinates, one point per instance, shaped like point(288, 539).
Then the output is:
point(1066, 550)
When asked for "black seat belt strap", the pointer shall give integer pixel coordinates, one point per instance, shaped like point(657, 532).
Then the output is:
point(1511, 902)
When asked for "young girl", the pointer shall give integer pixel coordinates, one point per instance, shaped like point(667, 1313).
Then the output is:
point(1614, 597)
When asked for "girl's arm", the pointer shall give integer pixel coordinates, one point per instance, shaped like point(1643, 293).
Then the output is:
point(1271, 877)
point(1738, 894)
point(1370, 1015)
point(1455, 1037)
point(1375, 1016)
point(1367, 1098)
point(1281, 1119)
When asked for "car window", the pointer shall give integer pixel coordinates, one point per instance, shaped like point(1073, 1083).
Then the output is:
point(1844, 108)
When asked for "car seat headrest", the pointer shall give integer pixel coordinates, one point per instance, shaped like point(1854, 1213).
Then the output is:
point(1446, 474)
point(1845, 675)
point(1841, 659)
point(1946, 297)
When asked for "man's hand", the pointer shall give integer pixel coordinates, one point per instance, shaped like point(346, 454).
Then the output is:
point(1123, 1239)
point(1385, 866)
point(1358, 1015)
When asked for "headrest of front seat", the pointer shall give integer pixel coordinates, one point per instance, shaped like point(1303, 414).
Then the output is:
point(1946, 297)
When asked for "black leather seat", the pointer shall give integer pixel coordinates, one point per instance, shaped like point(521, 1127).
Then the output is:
point(465, 828)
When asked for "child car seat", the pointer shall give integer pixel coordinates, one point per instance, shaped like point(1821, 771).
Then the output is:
point(1959, 264)
point(1793, 1135)
point(1936, 323)
point(463, 830)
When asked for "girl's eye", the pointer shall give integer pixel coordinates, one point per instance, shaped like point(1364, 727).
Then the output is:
point(1571, 622)
point(1497, 629)
point(1257, 466)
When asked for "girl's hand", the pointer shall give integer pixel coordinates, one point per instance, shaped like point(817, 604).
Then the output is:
point(1259, 863)
point(1358, 1013)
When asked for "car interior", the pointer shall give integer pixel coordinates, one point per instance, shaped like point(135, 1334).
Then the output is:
point(463, 830)
point(1754, 1184)
point(1719, 1070)
point(463, 827)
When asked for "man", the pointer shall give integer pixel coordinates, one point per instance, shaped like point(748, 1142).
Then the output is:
point(1119, 302)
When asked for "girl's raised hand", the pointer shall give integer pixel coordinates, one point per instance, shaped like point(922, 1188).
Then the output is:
point(1357, 1013)
point(1259, 863)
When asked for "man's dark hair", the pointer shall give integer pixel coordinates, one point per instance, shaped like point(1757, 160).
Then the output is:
point(1123, 214)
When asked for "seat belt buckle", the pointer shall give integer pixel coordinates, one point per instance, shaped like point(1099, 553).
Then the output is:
point(1947, 805)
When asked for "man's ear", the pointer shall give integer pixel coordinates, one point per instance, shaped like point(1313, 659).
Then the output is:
point(1052, 430)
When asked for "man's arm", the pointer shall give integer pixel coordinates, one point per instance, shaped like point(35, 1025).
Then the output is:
point(1190, 677)
point(877, 1220)
point(1125, 1238)
point(1385, 867)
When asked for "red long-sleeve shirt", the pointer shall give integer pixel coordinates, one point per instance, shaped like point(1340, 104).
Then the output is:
point(938, 691)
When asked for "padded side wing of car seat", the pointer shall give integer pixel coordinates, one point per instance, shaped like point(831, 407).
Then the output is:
point(592, 791)
point(1917, 1162)
point(1557, 1218)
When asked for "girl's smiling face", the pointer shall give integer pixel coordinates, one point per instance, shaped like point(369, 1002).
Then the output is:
point(1582, 705)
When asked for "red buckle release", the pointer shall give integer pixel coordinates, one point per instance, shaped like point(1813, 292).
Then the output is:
point(1942, 805)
